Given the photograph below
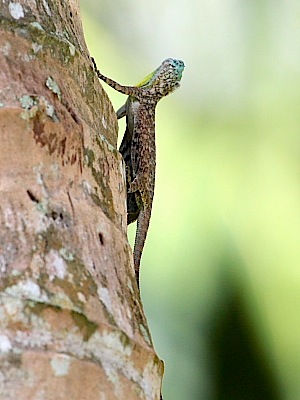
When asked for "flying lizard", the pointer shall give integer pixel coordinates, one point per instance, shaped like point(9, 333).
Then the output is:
point(138, 144)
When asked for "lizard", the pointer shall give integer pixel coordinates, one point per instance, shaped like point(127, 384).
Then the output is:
point(138, 145)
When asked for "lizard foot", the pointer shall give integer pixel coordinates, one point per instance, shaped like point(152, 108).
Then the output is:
point(135, 185)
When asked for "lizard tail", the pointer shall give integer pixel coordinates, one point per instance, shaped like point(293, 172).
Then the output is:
point(140, 237)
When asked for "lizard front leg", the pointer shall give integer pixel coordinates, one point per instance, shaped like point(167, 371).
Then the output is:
point(121, 112)
point(129, 90)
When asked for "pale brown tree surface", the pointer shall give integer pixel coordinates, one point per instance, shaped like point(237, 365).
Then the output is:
point(71, 321)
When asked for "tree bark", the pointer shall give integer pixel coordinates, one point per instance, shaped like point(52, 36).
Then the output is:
point(71, 320)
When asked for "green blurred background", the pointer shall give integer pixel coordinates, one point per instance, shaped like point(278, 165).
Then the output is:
point(220, 275)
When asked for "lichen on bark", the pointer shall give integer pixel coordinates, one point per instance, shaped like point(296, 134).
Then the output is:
point(72, 324)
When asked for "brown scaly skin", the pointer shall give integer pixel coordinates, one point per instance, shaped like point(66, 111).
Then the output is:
point(138, 144)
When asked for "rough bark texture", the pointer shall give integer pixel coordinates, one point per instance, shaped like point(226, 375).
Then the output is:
point(71, 321)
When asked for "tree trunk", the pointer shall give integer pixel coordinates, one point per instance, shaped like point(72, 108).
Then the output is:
point(71, 321)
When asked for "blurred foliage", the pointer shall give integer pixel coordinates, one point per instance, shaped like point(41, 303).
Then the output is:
point(220, 273)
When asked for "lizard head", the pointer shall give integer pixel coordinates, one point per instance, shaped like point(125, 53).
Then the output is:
point(165, 78)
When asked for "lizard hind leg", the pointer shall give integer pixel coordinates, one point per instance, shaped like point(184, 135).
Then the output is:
point(136, 185)
point(133, 208)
